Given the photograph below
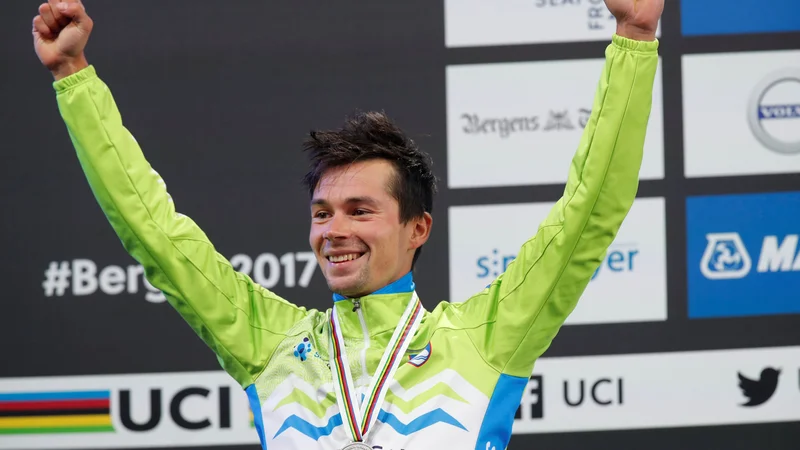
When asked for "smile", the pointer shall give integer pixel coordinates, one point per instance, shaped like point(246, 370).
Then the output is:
point(343, 258)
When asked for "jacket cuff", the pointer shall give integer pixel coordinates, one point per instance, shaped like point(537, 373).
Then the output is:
point(76, 79)
point(634, 45)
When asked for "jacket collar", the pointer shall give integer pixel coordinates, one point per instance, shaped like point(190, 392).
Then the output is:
point(404, 285)
point(381, 309)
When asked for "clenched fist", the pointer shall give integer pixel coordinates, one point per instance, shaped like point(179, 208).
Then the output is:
point(636, 19)
point(60, 33)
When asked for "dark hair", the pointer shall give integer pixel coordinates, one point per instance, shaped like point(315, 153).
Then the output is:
point(372, 135)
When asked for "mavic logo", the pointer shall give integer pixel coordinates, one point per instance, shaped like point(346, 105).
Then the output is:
point(726, 256)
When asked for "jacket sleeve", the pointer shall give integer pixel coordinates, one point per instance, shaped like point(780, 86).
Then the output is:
point(241, 321)
point(514, 320)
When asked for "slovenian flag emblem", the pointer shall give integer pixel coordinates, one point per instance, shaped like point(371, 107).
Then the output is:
point(420, 358)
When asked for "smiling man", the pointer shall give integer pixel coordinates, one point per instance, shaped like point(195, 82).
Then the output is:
point(377, 370)
point(371, 195)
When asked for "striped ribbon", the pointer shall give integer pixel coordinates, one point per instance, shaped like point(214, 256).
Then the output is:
point(359, 416)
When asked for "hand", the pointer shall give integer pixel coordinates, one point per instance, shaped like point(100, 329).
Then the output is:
point(60, 33)
point(636, 19)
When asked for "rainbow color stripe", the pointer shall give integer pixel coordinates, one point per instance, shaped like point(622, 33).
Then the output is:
point(384, 374)
point(386, 367)
point(55, 412)
point(344, 391)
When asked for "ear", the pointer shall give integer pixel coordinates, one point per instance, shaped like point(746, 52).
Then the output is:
point(420, 231)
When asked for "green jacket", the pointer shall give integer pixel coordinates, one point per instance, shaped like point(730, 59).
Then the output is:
point(462, 377)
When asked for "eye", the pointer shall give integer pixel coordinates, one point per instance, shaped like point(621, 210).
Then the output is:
point(320, 215)
point(361, 212)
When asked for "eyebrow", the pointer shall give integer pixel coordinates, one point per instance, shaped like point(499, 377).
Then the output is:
point(350, 200)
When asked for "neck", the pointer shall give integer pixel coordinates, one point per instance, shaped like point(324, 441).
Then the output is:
point(404, 284)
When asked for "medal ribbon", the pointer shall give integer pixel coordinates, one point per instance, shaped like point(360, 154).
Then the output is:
point(357, 416)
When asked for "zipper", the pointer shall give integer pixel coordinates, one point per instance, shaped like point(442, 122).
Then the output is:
point(357, 308)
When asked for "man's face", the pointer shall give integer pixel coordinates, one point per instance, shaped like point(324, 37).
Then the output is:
point(356, 232)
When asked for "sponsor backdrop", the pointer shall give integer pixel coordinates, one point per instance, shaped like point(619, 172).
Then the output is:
point(687, 336)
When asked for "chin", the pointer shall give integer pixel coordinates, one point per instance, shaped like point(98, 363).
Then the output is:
point(345, 286)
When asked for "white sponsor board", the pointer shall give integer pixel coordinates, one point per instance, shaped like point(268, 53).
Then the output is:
point(629, 286)
point(475, 23)
point(142, 410)
point(565, 394)
point(741, 113)
point(521, 123)
point(661, 390)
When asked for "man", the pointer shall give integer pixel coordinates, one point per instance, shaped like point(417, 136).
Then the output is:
point(377, 370)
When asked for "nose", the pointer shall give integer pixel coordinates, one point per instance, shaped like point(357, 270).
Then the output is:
point(337, 229)
point(331, 235)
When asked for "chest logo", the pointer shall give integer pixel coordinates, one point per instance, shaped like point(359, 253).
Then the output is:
point(302, 349)
point(417, 360)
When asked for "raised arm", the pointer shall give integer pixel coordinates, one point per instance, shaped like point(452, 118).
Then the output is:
point(514, 320)
point(240, 320)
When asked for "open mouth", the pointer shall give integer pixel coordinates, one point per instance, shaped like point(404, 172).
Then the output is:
point(344, 258)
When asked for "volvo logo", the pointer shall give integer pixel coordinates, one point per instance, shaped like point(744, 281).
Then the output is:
point(773, 111)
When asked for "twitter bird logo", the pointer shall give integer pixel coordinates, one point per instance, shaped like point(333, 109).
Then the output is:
point(761, 390)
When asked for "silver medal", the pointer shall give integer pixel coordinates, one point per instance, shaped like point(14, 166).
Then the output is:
point(357, 446)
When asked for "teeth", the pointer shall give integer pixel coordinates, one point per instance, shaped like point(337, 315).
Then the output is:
point(342, 258)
